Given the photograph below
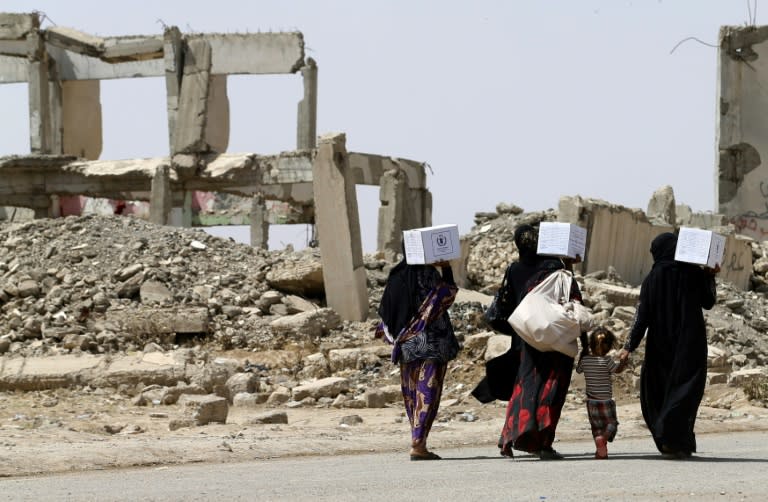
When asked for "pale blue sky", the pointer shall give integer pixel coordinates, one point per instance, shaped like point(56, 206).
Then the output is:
point(520, 102)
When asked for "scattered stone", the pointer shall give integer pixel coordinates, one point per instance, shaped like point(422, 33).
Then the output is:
point(270, 417)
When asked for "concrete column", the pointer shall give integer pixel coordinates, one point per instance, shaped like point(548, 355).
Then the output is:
point(306, 127)
point(426, 215)
point(54, 210)
point(217, 124)
point(173, 54)
point(338, 225)
point(389, 234)
point(56, 107)
point(160, 200)
point(193, 99)
point(81, 118)
point(259, 222)
point(40, 128)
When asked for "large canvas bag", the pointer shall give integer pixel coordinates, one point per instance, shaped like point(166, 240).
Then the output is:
point(546, 318)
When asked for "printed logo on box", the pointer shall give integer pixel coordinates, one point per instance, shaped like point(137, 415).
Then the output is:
point(441, 243)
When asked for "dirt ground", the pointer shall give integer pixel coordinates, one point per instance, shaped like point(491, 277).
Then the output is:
point(65, 430)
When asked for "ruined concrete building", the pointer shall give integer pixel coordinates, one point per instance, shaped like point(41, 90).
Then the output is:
point(742, 178)
point(313, 184)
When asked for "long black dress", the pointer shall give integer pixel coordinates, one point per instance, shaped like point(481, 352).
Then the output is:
point(674, 371)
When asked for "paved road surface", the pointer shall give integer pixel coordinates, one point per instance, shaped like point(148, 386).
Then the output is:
point(728, 467)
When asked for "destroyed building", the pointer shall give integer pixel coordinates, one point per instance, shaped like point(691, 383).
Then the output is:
point(315, 183)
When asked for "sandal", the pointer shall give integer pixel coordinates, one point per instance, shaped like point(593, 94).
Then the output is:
point(427, 456)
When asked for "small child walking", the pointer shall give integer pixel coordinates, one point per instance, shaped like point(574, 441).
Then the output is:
point(598, 368)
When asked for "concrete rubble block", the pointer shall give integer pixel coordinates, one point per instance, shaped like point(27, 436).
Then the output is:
point(744, 376)
point(180, 423)
point(279, 396)
point(326, 387)
point(477, 343)
point(497, 345)
point(270, 417)
point(51, 372)
point(357, 358)
point(205, 409)
point(315, 323)
point(241, 383)
point(268, 359)
point(392, 393)
point(716, 378)
point(661, 207)
point(155, 292)
point(626, 314)
point(152, 368)
point(314, 366)
point(249, 400)
point(193, 320)
point(375, 398)
point(171, 395)
point(297, 304)
point(15, 26)
point(350, 420)
point(303, 278)
point(716, 357)
point(613, 294)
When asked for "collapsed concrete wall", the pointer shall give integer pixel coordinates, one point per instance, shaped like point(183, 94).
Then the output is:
point(742, 176)
point(620, 237)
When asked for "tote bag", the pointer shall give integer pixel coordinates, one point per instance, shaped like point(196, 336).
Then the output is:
point(547, 320)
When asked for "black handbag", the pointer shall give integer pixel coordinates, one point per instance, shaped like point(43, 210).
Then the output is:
point(500, 309)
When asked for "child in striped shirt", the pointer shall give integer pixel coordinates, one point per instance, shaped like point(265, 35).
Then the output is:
point(598, 368)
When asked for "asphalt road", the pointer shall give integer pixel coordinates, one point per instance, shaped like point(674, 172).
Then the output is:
point(727, 467)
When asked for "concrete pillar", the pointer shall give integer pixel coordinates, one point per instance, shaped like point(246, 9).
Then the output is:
point(193, 99)
point(173, 55)
point(306, 126)
point(54, 209)
point(160, 200)
point(338, 225)
point(81, 118)
point(217, 124)
point(389, 234)
point(56, 108)
point(426, 215)
point(259, 222)
point(40, 127)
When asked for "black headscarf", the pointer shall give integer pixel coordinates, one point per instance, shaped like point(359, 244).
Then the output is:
point(663, 247)
point(527, 241)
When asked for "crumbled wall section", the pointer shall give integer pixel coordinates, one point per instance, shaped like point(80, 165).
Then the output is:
point(742, 177)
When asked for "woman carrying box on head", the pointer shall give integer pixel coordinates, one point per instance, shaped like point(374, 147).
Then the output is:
point(674, 371)
point(542, 379)
point(414, 317)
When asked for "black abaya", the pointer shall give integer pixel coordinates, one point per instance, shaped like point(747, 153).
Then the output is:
point(674, 370)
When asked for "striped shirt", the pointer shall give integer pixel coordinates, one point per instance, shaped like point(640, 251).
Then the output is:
point(597, 372)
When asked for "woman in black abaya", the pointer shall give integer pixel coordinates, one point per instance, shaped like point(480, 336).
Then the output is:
point(674, 371)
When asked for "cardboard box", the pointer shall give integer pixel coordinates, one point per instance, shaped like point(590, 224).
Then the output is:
point(561, 239)
point(702, 247)
point(431, 244)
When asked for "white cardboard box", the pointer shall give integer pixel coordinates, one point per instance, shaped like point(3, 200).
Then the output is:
point(431, 244)
point(561, 239)
point(702, 247)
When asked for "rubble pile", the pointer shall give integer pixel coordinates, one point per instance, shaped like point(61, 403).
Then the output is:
point(251, 326)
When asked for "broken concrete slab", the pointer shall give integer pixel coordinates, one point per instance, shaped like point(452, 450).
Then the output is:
point(326, 387)
point(205, 409)
point(14, 26)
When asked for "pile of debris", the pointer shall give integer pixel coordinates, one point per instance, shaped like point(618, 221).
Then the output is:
point(121, 288)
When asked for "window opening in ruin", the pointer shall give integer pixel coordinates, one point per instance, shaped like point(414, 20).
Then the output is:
point(14, 103)
point(134, 118)
point(263, 112)
point(368, 213)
